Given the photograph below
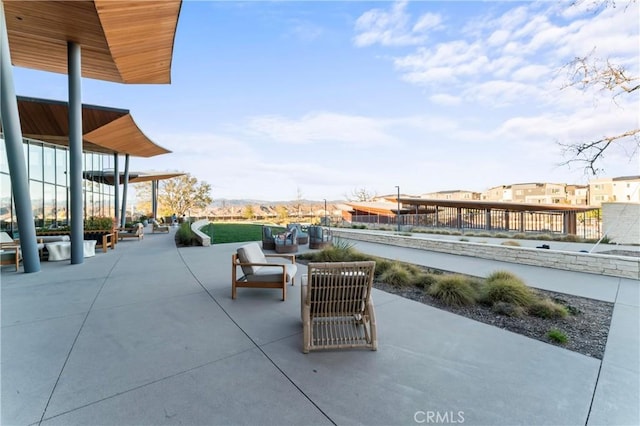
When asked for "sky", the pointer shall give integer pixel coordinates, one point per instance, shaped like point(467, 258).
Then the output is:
point(317, 100)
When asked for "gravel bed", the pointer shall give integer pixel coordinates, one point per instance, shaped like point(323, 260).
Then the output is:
point(587, 325)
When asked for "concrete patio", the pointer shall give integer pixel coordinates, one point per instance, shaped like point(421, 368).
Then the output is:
point(147, 334)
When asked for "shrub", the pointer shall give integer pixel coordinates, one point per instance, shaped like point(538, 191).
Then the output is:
point(396, 275)
point(557, 336)
point(508, 290)
point(98, 223)
point(547, 308)
point(519, 236)
point(502, 274)
point(184, 234)
point(508, 309)
point(501, 236)
point(510, 243)
point(453, 290)
point(423, 280)
point(381, 266)
point(572, 238)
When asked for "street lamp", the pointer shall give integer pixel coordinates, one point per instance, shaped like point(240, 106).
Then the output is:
point(398, 213)
point(325, 212)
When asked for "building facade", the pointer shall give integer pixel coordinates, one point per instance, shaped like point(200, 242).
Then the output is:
point(48, 173)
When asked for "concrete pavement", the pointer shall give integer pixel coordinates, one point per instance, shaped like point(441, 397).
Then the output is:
point(148, 334)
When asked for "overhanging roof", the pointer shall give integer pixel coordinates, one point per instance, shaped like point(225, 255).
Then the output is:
point(107, 176)
point(498, 205)
point(128, 41)
point(106, 130)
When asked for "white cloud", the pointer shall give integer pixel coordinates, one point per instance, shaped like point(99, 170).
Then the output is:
point(392, 27)
point(323, 127)
point(445, 99)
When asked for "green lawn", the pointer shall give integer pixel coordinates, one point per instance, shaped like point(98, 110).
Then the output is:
point(235, 232)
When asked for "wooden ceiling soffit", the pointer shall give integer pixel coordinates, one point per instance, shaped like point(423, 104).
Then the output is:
point(155, 176)
point(122, 41)
point(123, 136)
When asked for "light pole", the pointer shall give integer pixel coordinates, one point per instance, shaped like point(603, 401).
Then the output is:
point(398, 212)
point(325, 212)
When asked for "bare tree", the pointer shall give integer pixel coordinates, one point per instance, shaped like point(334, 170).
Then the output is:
point(589, 72)
point(297, 204)
point(361, 195)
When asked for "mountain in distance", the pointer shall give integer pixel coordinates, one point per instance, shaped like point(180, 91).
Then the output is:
point(223, 202)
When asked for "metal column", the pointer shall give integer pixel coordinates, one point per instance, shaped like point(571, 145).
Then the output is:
point(125, 186)
point(15, 155)
point(154, 201)
point(74, 61)
point(116, 188)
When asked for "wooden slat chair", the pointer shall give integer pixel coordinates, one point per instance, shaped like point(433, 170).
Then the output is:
point(259, 272)
point(336, 307)
point(10, 253)
point(136, 232)
point(156, 227)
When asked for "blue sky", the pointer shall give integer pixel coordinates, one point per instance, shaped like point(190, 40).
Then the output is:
point(272, 99)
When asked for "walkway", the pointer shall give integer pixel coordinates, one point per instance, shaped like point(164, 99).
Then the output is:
point(148, 334)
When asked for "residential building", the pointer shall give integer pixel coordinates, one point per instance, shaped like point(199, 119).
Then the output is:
point(456, 194)
point(623, 189)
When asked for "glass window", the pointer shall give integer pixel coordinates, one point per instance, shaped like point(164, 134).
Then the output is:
point(49, 205)
point(62, 156)
point(61, 206)
point(4, 164)
point(5, 203)
point(88, 199)
point(35, 162)
point(49, 164)
point(37, 202)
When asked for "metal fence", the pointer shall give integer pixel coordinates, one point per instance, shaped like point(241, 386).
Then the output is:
point(588, 225)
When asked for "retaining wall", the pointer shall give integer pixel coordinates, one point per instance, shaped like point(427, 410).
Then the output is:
point(204, 239)
point(593, 263)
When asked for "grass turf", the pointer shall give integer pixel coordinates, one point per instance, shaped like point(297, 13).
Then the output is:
point(236, 232)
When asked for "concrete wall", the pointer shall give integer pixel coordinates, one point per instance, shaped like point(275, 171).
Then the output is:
point(204, 239)
point(616, 266)
point(621, 222)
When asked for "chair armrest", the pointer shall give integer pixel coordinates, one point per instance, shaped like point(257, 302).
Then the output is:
point(261, 264)
point(291, 257)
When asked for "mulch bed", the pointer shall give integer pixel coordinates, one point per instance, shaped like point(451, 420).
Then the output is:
point(587, 325)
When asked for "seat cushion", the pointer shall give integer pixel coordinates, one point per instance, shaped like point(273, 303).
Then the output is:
point(270, 274)
point(251, 253)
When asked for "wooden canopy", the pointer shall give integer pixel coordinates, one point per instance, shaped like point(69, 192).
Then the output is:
point(106, 130)
point(124, 41)
point(108, 177)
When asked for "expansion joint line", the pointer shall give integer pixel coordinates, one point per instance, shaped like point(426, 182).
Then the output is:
point(595, 388)
point(84, 320)
point(254, 342)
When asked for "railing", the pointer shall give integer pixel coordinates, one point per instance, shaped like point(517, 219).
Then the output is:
point(468, 219)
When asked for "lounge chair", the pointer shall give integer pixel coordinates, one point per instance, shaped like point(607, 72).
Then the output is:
point(10, 253)
point(156, 227)
point(303, 237)
point(336, 307)
point(287, 242)
point(267, 238)
point(259, 272)
point(319, 237)
point(135, 232)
